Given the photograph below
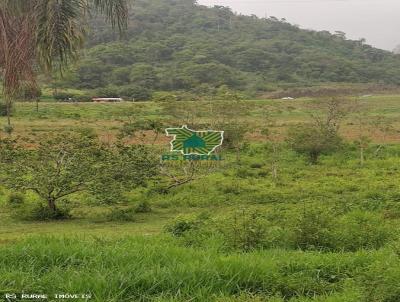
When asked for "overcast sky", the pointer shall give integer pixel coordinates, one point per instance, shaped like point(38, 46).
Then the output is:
point(378, 21)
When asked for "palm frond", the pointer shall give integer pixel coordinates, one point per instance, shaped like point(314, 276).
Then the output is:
point(50, 32)
point(17, 7)
point(17, 50)
point(60, 31)
point(116, 11)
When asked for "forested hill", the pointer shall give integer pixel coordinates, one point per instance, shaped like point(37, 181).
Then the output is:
point(180, 45)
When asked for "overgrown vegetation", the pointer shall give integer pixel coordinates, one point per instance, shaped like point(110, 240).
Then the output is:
point(125, 271)
point(262, 224)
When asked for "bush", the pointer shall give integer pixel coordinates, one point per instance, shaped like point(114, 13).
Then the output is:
point(143, 207)
point(165, 96)
point(15, 199)
point(244, 231)
point(183, 224)
point(170, 96)
point(319, 230)
point(121, 214)
point(40, 212)
point(63, 96)
point(361, 230)
point(313, 230)
point(83, 98)
point(316, 229)
point(108, 92)
point(129, 129)
point(130, 92)
point(135, 93)
point(313, 140)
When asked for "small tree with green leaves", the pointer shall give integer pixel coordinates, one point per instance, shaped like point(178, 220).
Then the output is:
point(121, 169)
point(55, 168)
point(314, 141)
point(144, 130)
point(321, 136)
point(71, 163)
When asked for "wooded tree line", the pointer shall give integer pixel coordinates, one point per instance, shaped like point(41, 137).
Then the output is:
point(178, 45)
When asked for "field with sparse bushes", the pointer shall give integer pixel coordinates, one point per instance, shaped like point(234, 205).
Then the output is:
point(304, 206)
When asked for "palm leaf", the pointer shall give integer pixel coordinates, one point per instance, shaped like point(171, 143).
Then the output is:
point(60, 31)
point(50, 32)
point(116, 11)
point(17, 49)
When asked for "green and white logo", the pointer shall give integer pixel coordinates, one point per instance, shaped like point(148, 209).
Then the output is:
point(191, 142)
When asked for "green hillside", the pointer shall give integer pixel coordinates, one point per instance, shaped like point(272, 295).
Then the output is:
point(175, 45)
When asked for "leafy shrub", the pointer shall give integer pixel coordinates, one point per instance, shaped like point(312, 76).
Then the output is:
point(15, 199)
point(183, 224)
point(234, 135)
point(130, 129)
point(131, 92)
point(320, 229)
point(313, 230)
point(40, 212)
point(165, 96)
point(83, 98)
point(108, 92)
point(313, 140)
point(143, 207)
point(361, 230)
point(316, 229)
point(244, 231)
point(136, 93)
point(121, 214)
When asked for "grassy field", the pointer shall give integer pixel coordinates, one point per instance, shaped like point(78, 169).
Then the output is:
point(108, 118)
point(327, 232)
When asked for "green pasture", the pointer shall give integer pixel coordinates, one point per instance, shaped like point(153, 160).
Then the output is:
point(326, 232)
point(106, 119)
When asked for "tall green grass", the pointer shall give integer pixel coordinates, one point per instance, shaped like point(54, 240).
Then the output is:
point(157, 269)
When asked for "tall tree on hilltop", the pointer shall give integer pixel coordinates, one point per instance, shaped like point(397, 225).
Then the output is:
point(43, 35)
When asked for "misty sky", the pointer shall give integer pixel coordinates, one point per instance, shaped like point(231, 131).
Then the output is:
point(376, 20)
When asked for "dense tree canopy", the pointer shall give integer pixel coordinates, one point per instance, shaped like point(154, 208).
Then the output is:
point(179, 45)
